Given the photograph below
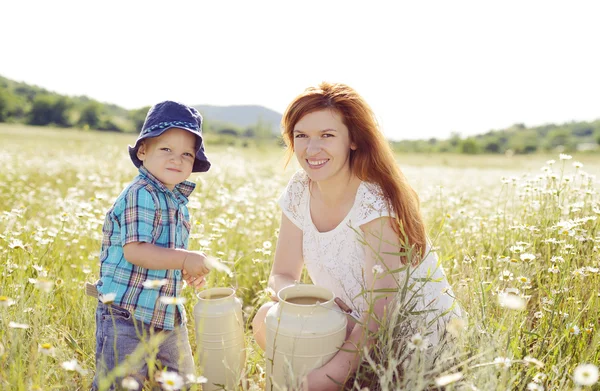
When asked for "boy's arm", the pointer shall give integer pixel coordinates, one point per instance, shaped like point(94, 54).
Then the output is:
point(150, 256)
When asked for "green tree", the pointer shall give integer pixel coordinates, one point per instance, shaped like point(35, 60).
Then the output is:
point(492, 146)
point(41, 110)
point(469, 146)
point(3, 105)
point(138, 117)
point(558, 137)
point(48, 109)
point(60, 112)
point(90, 115)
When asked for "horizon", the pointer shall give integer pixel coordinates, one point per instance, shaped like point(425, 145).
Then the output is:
point(258, 105)
point(427, 72)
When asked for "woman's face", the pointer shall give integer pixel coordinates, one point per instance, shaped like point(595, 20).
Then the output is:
point(322, 144)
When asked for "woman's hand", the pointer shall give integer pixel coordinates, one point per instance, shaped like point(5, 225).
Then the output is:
point(317, 380)
point(195, 282)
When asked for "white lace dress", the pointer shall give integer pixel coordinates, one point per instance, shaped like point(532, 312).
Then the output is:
point(336, 259)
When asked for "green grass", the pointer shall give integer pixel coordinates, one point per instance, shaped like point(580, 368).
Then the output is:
point(482, 213)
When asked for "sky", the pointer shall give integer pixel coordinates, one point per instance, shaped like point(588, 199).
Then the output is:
point(427, 68)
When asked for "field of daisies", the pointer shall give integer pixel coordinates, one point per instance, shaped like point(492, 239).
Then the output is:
point(519, 239)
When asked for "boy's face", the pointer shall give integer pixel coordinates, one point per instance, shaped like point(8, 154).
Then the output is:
point(170, 156)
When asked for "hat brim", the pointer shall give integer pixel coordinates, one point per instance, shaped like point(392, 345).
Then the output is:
point(201, 163)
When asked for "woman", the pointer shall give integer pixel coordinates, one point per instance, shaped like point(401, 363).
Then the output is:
point(351, 217)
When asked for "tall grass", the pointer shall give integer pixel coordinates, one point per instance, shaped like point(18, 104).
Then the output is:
point(520, 248)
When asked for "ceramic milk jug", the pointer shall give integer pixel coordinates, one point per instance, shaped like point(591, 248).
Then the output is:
point(305, 329)
point(220, 338)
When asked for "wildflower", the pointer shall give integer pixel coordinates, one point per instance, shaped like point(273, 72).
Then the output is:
point(506, 275)
point(14, 325)
point(418, 342)
point(267, 244)
point(517, 249)
point(512, 302)
point(129, 383)
point(550, 162)
point(73, 365)
point(553, 269)
point(564, 156)
point(214, 263)
point(154, 284)
point(532, 386)
point(377, 269)
point(586, 374)
point(170, 381)
point(538, 315)
point(46, 349)
point(16, 243)
point(171, 300)
point(44, 285)
point(526, 257)
point(455, 326)
point(513, 291)
point(577, 164)
point(6, 301)
point(534, 361)
point(523, 279)
point(447, 379)
point(192, 379)
point(557, 259)
point(108, 298)
point(573, 329)
point(504, 362)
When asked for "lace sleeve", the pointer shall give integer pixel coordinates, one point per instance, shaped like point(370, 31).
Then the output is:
point(371, 205)
point(294, 198)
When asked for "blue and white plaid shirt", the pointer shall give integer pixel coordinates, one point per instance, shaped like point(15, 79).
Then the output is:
point(146, 211)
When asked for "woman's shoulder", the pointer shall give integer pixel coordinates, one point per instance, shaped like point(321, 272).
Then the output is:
point(371, 195)
point(298, 183)
point(300, 177)
point(294, 198)
point(371, 203)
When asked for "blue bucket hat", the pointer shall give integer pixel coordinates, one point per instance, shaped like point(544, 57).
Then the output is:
point(166, 115)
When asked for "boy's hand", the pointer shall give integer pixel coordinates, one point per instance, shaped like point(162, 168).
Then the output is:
point(194, 264)
point(194, 282)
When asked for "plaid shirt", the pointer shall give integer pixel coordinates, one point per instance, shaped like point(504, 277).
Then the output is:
point(146, 211)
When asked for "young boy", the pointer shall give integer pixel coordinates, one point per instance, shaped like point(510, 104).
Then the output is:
point(143, 257)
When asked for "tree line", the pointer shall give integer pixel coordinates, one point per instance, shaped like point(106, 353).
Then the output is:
point(24, 103)
point(518, 139)
point(33, 105)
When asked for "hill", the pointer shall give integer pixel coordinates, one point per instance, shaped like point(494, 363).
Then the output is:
point(29, 104)
point(242, 116)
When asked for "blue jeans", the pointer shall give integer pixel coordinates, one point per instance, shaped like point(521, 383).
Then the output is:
point(118, 335)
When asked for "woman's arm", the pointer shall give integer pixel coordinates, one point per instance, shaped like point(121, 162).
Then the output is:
point(287, 266)
point(381, 238)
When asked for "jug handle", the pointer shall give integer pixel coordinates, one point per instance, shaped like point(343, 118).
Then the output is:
point(346, 308)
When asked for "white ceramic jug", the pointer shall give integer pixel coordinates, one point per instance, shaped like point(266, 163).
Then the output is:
point(304, 331)
point(220, 338)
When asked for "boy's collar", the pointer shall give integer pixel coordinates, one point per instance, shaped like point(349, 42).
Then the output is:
point(185, 187)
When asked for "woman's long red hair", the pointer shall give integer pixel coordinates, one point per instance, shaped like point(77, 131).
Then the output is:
point(372, 161)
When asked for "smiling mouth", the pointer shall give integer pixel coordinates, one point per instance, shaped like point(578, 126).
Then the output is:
point(316, 163)
point(173, 169)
